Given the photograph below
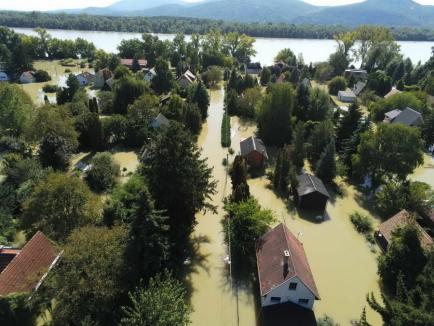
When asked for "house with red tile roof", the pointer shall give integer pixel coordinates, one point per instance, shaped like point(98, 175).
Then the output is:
point(283, 270)
point(28, 268)
point(130, 62)
point(385, 230)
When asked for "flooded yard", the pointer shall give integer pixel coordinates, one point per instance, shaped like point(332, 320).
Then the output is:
point(425, 172)
point(58, 77)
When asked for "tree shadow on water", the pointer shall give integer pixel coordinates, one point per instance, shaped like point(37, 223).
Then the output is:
point(194, 262)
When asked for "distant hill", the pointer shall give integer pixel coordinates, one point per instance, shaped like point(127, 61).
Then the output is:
point(398, 13)
point(384, 12)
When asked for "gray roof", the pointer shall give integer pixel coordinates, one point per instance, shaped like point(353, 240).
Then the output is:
point(392, 114)
point(251, 144)
point(359, 87)
point(408, 117)
point(346, 94)
point(308, 183)
point(159, 121)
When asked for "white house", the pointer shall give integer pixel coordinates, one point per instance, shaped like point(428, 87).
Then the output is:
point(27, 77)
point(346, 96)
point(283, 270)
point(3, 76)
point(149, 75)
point(85, 78)
point(160, 121)
point(187, 79)
point(101, 78)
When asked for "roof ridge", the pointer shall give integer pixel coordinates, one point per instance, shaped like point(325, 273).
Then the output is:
point(312, 182)
point(305, 258)
point(10, 263)
point(253, 142)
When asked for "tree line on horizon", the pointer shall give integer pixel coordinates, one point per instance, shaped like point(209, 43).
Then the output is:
point(189, 26)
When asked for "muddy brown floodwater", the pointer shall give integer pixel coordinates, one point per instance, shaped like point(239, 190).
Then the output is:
point(213, 300)
point(425, 172)
point(343, 265)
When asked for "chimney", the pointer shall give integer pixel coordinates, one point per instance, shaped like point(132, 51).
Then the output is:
point(285, 262)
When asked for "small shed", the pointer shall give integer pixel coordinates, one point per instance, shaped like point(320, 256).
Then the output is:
point(27, 77)
point(384, 233)
point(4, 76)
point(254, 151)
point(311, 193)
point(346, 96)
point(160, 121)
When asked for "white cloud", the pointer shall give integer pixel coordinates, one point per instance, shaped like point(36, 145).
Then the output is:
point(345, 2)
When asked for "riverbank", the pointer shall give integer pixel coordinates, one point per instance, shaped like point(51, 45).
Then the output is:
point(187, 25)
point(266, 48)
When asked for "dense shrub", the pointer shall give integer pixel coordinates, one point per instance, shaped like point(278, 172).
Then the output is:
point(103, 172)
point(226, 131)
point(337, 84)
point(50, 88)
point(362, 223)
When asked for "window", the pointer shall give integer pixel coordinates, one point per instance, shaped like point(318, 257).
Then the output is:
point(293, 286)
point(275, 299)
point(303, 301)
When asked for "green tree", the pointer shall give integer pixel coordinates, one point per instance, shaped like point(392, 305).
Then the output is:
point(58, 204)
point(103, 172)
point(299, 151)
point(126, 92)
point(16, 110)
point(179, 180)
point(379, 82)
point(319, 105)
point(265, 76)
point(320, 137)
point(244, 223)
point(55, 152)
point(193, 119)
point(88, 282)
point(274, 117)
point(302, 102)
point(283, 170)
point(337, 84)
point(163, 81)
point(238, 173)
point(286, 56)
point(149, 247)
point(161, 303)
point(348, 124)
point(89, 126)
point(198, 94)
point(378, 151)
point(339, 62)
point(405, 256)
point(326, 165)
point(241, 47)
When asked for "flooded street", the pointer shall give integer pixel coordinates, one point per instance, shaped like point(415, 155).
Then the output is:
point(343, 265)
point(341, 260)
point(213, 301)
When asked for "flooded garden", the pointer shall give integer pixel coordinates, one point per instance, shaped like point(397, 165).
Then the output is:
point(343, 263)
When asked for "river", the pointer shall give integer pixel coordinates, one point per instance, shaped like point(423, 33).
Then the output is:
point(266, 48)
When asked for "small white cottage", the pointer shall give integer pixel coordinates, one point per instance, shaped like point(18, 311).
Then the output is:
point(27, 77)
point(3, 76)
point(283, 270)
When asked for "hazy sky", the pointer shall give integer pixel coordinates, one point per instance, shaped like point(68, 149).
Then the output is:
point(62, 4)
